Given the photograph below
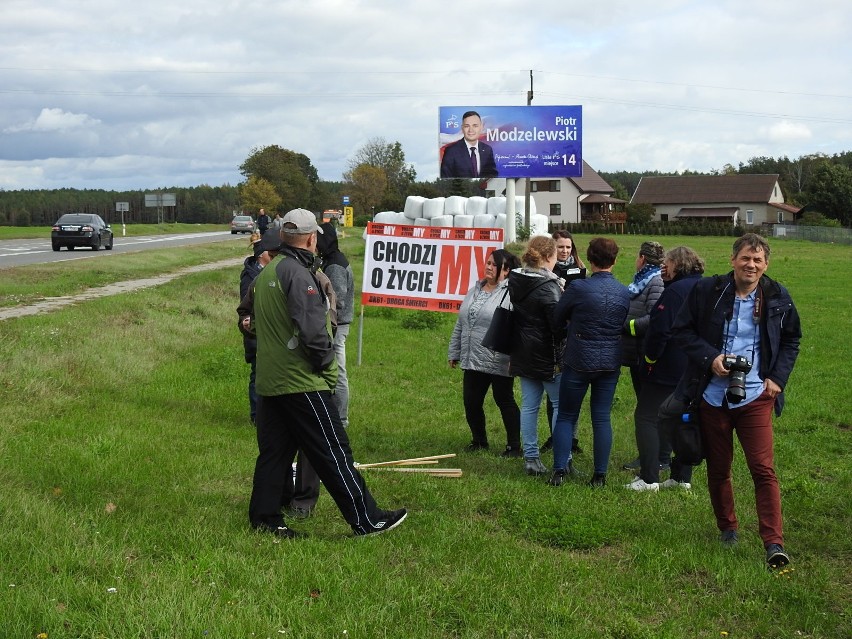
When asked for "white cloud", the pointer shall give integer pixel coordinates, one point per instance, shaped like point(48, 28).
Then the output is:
point(54, 120)
point(785, 131)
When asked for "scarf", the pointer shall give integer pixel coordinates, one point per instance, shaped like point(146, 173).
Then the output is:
point(642, 278)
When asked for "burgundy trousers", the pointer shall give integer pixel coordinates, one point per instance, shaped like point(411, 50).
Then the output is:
point(753, 425)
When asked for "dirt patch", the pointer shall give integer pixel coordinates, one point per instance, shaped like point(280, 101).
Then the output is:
point(53, 303)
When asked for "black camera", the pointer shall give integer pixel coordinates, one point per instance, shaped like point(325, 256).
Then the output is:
point(739, 367)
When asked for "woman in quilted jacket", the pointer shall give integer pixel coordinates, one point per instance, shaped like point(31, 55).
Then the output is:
point(596, 309)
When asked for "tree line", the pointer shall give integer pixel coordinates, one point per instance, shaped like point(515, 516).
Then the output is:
point(378, 178)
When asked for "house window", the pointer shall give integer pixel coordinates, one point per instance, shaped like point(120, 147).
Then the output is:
point(664, 217)
point(749, 217)
point(556, 209)
point(780, 217)
point(545, 185)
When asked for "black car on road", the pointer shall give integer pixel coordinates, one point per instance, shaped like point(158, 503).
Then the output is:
point(81, 229)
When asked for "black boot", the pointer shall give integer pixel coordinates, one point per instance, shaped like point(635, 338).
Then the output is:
point(598, 480)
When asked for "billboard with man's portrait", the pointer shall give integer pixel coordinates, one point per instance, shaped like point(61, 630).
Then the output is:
point(510, 141)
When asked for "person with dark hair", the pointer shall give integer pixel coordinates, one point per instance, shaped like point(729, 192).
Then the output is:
point(567, 258)
point(469, 157)
point(536, 341)
point(645, 290)
point(568, 267)
point(663, 366)
point(263, 250)
point(296, 372)
point(336, 267)
point(483, 367)
point(596, 308)
point(741, 335)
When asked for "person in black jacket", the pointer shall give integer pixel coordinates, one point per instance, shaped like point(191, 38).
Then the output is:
point(664, 364)
point(264, 249)
point(747, 315)
point(536, 342)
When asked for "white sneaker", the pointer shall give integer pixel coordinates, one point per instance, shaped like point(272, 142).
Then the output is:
point(639, 485)
point(674, 483)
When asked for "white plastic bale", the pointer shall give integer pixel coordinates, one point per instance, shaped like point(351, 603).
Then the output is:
point(391, 217)
point(476, 205)
point(538, 225)
point(463, 221)
point(484, 221)
point(433, 207)
point(455, 205)
point(519, 205)
point(422, 221)
point(414, 206)
point(442, 220)
point(500, 221)
point(496, 206)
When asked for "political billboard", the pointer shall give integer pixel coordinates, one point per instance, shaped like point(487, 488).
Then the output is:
point(426, 268)
point(510, 141)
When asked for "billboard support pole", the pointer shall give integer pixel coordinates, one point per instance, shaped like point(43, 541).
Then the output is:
point(527, 216)
point(510, 210)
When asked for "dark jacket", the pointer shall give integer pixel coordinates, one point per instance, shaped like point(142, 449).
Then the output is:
point(251, 268)
point(536, 345)
point(665, 362)
point(638, 317)
point(455, 162)
point(596, 308)
point(336, 267)
point(699, 331)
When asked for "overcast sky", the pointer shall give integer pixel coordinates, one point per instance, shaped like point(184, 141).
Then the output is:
point(144, 95)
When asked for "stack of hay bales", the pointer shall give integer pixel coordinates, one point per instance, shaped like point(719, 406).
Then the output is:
point(461, 212)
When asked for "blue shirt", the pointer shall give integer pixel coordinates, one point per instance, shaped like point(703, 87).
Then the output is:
point(742, 337)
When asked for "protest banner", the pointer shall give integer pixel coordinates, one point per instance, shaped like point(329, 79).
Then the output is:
point(424, 267)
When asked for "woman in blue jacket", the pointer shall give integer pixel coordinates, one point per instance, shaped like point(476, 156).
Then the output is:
point(665, 362)
point(596, 308)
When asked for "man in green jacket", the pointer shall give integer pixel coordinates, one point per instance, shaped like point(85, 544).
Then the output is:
point(296, 373)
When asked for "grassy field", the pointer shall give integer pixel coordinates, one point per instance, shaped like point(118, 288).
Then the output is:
point(127, 461)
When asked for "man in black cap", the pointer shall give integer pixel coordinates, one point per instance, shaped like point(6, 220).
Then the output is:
point(296, 371)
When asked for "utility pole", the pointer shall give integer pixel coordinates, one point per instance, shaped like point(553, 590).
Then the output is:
point(527, 220)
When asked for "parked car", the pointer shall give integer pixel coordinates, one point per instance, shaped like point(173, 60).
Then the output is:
point(81, 229)
point(242, 224)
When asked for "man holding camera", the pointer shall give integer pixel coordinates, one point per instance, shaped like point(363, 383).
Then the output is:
point(741, 333)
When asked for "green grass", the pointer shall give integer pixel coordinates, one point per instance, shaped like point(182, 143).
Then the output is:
point(127, 464)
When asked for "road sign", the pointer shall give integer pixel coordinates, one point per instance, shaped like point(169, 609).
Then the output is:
point(346, 199)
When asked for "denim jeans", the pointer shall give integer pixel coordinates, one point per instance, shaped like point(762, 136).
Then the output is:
point(531, 392)
point(572, 392)
point(341, 392)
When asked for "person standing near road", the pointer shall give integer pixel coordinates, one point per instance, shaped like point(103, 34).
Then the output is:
point(262, 221)
point(296, 372)
point(264, 249)
point(336, 267)
point(741, 334)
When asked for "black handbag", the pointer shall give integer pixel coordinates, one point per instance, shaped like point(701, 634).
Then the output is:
point(681, 420)
point(499, 335)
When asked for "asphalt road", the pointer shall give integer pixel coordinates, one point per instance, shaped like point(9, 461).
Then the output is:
point(21, 252)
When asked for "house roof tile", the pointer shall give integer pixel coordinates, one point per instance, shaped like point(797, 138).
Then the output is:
point(704, 189)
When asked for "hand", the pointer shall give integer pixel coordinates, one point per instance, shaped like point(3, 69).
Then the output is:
point(718, 368)
point(453, 363)
point(771, 387)
point(246, 322)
